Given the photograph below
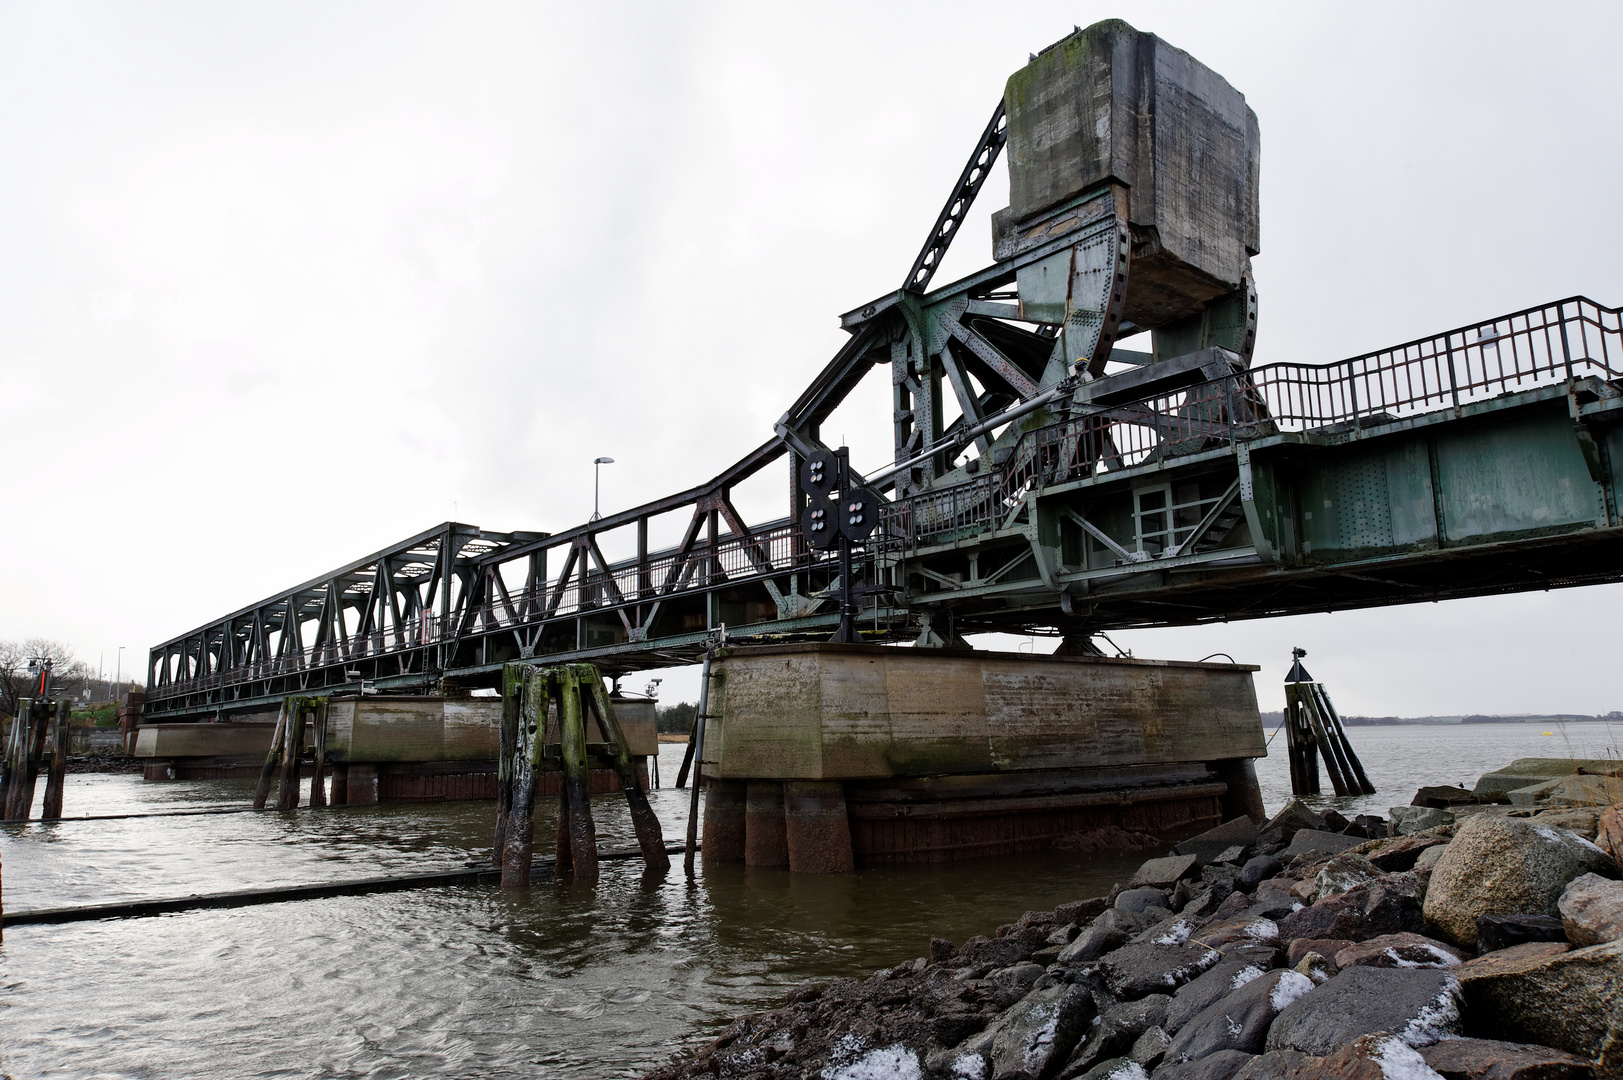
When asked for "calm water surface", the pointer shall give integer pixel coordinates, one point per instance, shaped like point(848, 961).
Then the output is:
point(557, 980)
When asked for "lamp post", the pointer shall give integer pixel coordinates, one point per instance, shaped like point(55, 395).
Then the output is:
point(118, 678)
point(597, 483)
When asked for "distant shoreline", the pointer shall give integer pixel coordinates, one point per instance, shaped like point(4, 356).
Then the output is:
point(1276, 719)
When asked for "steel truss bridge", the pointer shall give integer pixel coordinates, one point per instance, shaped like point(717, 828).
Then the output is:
point(1105, 489)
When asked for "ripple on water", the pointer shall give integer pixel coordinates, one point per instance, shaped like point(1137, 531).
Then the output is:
point(467, 981)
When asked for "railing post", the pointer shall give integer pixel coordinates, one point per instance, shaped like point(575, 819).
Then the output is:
point(1352, 392)
point(1453, 382)
point(1566, 348)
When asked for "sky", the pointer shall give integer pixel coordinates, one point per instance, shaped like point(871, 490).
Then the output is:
point(283, 284)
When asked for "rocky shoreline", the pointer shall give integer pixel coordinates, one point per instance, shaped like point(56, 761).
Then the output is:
point(1485, 947)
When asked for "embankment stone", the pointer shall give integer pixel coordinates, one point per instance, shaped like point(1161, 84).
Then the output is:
point(1390, 904)
point(1041, 1030)
point(1502, 866)
point(1314, 840)
point(1371, 1057)
point(1490, 1059)
point(1407, 820)
point(1496, 932)
point(1219, 1066)
point(1208, 988)
point(1137, 899)
point(1165, 872)
point(1343, 872)
point(1276, 1065)
point(1240, 1020)
point(1419, 1006)
point(1399, 950)
point(1259, 869)
point(1571, 1000)
point(1240, 832)
point(1135, 970)
point(1240, 929)
point(1300, 947)
point(1592, 910)
point(1116, 1032)
point(1398, 852)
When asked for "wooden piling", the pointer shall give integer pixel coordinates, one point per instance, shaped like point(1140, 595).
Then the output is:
point(643, 820)
point(287, 792)
point(518, 841)
point(1332, 758)
point(1301, 747)
point(318, 783)
point(28, 746)
point(696, 754)
point(16, 757)
point(574, 794)
point(56, 779)
point(1356, 777)
point(512, 687)
point(273, 759)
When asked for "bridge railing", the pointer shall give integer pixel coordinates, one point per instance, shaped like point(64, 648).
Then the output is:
point(1539, 346)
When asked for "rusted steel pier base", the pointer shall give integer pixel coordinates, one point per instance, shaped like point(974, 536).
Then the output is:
point(827, 757)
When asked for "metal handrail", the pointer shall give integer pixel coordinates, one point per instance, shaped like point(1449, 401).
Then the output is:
point(1538, 346)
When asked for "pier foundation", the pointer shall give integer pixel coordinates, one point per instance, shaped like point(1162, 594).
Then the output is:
point(826, 757)
point(387, 749)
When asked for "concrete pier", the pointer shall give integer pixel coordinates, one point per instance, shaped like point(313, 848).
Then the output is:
point(883, 755)
point(385, 749)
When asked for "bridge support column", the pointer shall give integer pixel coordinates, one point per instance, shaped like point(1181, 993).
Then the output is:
point(361, 785)
point(766, 840)
point(724, 821)
point(340, 785)
point(1244, 795)
point(816, 827)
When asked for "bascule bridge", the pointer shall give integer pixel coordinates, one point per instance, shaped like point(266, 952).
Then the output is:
point(1081, 444)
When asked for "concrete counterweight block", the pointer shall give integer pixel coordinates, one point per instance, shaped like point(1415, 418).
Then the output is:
point(766, 840)
point(816, 827)
point(724, 821)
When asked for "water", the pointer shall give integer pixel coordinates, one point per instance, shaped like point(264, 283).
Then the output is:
point(554, 981)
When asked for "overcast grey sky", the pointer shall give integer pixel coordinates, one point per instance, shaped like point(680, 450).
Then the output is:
point(281, 284)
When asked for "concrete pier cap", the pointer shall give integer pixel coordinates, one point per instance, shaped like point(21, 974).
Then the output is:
point(879, 754)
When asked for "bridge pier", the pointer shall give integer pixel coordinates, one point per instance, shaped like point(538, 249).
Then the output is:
point(829, 757)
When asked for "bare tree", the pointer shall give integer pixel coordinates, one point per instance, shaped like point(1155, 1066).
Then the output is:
point(69, 675)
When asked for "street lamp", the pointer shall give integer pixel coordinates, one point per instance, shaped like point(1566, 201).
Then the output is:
point(597, 482)
point(118, 678)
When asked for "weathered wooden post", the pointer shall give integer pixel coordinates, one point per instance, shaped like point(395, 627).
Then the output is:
point(273, 759)
point(17, 758)
point(568, 691)
point(528, 686)
point(57, 778)
point(575, 825)
point(287, 792)
point(32, 717)
point(318, 783)
point(649, 837)
point(8, 758)
point(696, 755)
point(512, 688)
